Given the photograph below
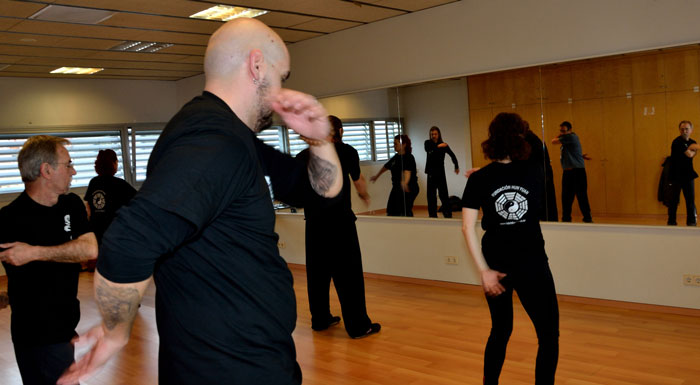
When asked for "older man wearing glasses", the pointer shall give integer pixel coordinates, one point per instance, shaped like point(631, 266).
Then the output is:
point(44, 235)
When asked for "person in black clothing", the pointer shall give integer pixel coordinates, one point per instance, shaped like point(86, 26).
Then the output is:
point(404, 182)
point(44, 235)
point(539, 155)
point(511, 256)
point(435, 168)
point(106, 193)
point(682, 175)
point(202, 224)
point(333, 249)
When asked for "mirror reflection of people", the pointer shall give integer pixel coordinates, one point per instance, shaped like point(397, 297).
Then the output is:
point(682, 175)
point(44, 234)
point(512, 255)
point(436, 149)
point(574, 182)
point(333, 249)
point(105, 194)
point(539, 155)
point(404, 181)
point(202, 225)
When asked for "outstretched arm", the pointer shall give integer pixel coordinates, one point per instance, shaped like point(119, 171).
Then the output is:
point(118, 304)
point(452, 155)
point(361, 187)
point(80, 249)
point(307, 117)
point(381, 171)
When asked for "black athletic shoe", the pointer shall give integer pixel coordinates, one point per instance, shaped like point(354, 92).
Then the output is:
point(373, 329)
point(334, 320)
point(692, 224)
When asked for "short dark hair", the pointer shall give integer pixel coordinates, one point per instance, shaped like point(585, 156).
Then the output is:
point(105, 163)
point(436, 128)
point(336, 125)
point(566, 124)
point(685, 121)
point(404, 139)
point(506, 138)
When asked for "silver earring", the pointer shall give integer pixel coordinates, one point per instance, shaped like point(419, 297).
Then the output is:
point(255, 81)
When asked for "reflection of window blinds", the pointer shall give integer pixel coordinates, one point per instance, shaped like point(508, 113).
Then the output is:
point(140, 146)
point(272, 137)
point(358, 136)
point(384, 132)
point(83, 151)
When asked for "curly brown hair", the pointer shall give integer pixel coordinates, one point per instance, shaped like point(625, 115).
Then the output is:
point(506, 138)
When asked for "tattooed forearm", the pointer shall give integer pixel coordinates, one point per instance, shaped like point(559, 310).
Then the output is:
point(118, 305)
point(322, 174)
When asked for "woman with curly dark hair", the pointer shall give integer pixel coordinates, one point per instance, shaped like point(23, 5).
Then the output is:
point(404, 181)
point(512, 255)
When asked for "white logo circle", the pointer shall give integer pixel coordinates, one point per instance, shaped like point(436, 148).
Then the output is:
point(98, 199)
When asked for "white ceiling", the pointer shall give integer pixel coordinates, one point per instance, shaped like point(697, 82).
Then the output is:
point(33, 47)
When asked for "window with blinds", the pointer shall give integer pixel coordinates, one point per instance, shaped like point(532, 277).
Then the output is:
point(83, 151)
point(384, 133)
point(359, 136)
point(273, 137)
point(141, 144)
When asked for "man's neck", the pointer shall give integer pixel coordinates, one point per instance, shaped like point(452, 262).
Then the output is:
point(41, 195)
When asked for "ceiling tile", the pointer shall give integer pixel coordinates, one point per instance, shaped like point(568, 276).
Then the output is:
point(412, 5)
point(292, 36)
point(19, 8)
point(326, 25)
point(328, 8)
point(162, 23)
point(278, 19)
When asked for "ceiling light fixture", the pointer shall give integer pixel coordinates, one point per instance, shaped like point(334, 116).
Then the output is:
point(140, 46)
point(226, 13)
point(76, 70)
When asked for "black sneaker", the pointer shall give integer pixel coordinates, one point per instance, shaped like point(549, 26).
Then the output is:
point(373, 329)
point(334, 320)
point(693, 224)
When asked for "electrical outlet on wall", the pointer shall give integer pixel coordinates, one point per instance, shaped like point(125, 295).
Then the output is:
point(280, 244)
point(451, 260)
point(696, 280)
point(688, 279)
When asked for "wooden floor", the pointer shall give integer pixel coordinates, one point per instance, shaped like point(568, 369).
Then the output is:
point(434, 335)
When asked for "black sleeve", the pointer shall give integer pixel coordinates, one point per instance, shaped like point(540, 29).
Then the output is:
point(449, 152)
point(88, 192)
point(410, 163)
point(78, 216)
point(289, 176)
point(471, 198)
point(140, 234)
point(353, 163)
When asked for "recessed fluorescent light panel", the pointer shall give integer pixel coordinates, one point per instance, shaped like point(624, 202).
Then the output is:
point(76, 70)
point(226, 13)
point(72, 14)
point(140, 46)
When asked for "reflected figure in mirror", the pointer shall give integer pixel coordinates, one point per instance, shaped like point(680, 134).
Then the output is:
point(539, 155)
point(333, 249)
point(682, 175)
point(574, 182)
point(404, 181)
point(436, 149)
point(511, 256)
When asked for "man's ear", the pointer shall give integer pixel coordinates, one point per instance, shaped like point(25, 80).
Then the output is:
point(256, 60)
point(45, 170)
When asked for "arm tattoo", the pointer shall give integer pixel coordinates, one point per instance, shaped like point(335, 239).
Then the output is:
point(322, 173)
point(118, 305)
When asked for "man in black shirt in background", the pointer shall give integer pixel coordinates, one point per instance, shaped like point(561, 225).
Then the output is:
point(44, 235)
point(333, 249)
point(202, 225)
point(682, 175)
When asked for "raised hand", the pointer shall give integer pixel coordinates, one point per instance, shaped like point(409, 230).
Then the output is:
point(302, 113)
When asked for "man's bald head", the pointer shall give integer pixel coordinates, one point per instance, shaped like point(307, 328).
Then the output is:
point(230, 47)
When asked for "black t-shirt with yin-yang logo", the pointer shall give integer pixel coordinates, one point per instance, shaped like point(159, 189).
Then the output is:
point(510, 195)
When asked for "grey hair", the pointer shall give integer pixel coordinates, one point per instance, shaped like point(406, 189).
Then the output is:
point(36, 151)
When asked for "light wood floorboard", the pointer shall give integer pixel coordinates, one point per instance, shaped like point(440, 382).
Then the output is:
point(433, 335)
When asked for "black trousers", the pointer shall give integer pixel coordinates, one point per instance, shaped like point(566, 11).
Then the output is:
point(688, 188)
point(333, 252)
point(535, 288)
point(574, 184)
point(43, 365)
point(400, 203)
point(438, 183)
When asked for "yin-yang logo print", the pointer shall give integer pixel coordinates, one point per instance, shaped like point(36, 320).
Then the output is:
point(511, 205)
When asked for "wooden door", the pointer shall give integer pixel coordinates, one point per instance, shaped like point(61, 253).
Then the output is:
point(554, 114)
point(651, 147)
point(588, 118)
point(618, 131)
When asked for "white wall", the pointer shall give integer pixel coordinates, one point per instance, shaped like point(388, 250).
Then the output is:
point(641, 264)
point(443, 104)
point(474, 36)
point(29, 102)
point(188, 89)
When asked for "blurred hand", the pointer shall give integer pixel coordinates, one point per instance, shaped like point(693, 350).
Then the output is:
point(302, 113)
point(17, 253)
point(491, 282)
